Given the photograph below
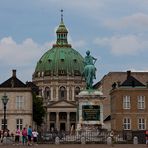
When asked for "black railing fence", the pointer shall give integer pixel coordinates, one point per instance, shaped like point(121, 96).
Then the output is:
point(74, 137)
point(99, 136)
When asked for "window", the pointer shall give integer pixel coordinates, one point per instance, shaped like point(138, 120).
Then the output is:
point(127, 123)
point(141, 102)
point(19, 102)
point(19, 124)
point(126, 102)
point(2, 124)
point(40, 92)
point(141, 124)
point(47, 93)
point(77, 90)
point(62, 93)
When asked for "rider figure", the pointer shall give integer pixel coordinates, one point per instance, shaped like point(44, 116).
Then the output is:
point(89, 60)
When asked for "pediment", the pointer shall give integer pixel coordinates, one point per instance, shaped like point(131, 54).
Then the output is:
point(62, 103)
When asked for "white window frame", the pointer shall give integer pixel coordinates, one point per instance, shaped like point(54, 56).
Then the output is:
point(127, 123)
point(19, 102)
point(126, 102)
point(19, 123)
point(141, 124)
point(141, 102)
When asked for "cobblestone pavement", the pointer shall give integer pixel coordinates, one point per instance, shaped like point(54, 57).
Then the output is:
point(76, 146)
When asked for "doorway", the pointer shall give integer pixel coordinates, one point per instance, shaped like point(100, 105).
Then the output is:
point(62, 127)
point(52, 126)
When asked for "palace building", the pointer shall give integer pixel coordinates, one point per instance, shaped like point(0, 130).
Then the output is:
point(129, 107)
point(19, 106)
point(58, 74)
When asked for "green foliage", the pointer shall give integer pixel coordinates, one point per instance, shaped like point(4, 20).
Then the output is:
point(38, 110)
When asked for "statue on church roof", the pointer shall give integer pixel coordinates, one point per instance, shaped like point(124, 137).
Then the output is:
point(89, 70)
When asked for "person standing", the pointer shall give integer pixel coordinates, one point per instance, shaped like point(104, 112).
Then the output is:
point(17, 136)
point(24, 136)
point(35, 135)
point(112, 137)
point(29, 135)
point(146, 137)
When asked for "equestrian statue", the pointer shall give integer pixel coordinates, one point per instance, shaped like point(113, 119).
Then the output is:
point(89, 72)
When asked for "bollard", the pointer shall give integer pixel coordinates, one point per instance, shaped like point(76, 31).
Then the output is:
point(135, 140)
point(83, 140)
point(57, 140)
point(109, 141)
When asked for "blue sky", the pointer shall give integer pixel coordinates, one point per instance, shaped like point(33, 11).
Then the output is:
point(115, 31)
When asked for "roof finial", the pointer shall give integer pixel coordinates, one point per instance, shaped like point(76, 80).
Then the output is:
point(61, 15)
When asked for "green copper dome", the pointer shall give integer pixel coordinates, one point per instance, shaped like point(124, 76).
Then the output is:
point(61, 59)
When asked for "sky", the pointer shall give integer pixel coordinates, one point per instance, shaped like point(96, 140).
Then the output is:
point(115, 31)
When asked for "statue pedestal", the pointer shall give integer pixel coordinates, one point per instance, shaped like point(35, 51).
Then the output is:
point(90, 110)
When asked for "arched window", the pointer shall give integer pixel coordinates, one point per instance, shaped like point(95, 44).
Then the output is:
point(40, 92)
point(77, 90)
point(62, 93)
point(47, 93)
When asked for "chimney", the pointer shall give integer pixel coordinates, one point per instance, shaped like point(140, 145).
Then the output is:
point(128, 73)
point(14, 73)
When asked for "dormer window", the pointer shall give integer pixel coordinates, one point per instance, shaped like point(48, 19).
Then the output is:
point(77, 90)
point(75, 60)
point(49, 60)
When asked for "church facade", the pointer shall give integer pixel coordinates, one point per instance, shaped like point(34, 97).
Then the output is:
point(58, 75)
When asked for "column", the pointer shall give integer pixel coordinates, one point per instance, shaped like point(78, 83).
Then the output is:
point(57, 120)
point(57, 93)
point(101, 112)
point(48, 119)
point(43, 92)
point(67, 93)
point(73, 93)
point(51, 95)
point(68, 121)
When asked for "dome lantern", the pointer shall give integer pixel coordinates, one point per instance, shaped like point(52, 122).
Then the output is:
point(62, 34)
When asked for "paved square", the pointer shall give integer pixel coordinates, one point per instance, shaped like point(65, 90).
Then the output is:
point(76, 146)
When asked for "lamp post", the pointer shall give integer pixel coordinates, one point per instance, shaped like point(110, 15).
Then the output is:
point(5, 101)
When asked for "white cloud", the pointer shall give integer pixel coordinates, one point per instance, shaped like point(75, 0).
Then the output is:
point(123, 45)
point(76, 4)
point(138, 70)
point(26, 52)
point(138, 21)
point(76, 44)
point(21, 54)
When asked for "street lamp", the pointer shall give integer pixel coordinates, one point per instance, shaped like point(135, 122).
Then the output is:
point(5, 101)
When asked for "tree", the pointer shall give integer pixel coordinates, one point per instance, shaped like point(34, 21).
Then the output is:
point(38, 110)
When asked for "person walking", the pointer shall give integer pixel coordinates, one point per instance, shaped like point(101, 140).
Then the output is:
point(29, 135)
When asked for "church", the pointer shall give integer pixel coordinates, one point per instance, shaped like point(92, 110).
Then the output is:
point(58, 74)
